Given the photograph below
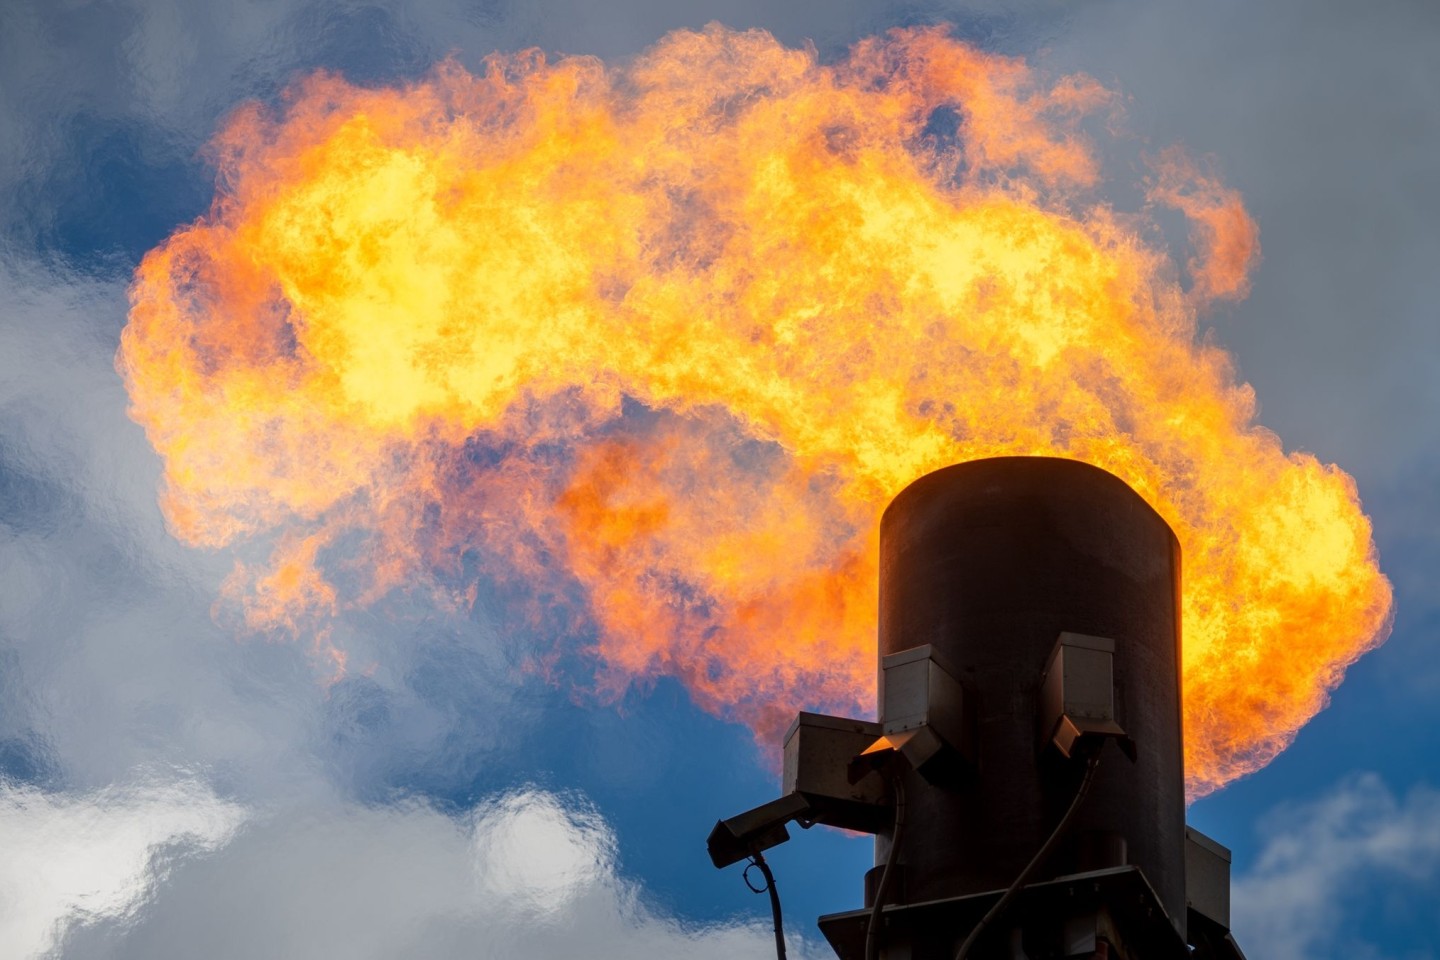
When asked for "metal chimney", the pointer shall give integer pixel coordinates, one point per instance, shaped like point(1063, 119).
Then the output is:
point(1029, 616)
point(989, 563)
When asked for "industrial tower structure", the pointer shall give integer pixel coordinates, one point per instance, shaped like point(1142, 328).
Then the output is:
point(1025, 779)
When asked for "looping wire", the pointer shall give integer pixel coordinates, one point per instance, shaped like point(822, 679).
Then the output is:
point(746, 877)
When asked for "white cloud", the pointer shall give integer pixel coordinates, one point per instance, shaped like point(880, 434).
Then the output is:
point(1319, 862)
point(537, 855)
point(170, 872)
point(109, 662)
point(110, 659)
point(104, 619)
point(94, 858)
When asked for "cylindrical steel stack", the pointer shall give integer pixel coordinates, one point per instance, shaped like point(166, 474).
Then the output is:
point(989, 562)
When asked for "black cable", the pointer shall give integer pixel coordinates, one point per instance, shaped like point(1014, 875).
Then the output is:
point(872, 929)
point(1040, 856)
point(758, 860)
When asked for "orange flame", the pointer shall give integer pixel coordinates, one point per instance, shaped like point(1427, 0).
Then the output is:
point(655, 345)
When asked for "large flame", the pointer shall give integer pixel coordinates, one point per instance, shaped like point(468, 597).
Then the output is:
point(651, 347)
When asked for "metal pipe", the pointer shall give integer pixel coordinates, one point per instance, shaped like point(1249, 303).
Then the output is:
point(887, 876)
point(757, 859)
point(1040, 857)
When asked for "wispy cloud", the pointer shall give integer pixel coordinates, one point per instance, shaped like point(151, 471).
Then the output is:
point(1320, 862)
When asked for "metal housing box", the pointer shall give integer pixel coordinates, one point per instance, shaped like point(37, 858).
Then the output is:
point(746, 834)
point(818, 751)
point(924, 714)
point(1207, 877)
point(1077, 697)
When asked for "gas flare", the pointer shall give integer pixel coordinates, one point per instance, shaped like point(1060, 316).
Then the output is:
point(653, 345)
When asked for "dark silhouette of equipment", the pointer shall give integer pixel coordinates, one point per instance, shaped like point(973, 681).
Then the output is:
point(1029, 628)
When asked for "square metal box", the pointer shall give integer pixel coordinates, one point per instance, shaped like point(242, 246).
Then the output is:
point(1207, 877)
point(924, 713)
point(818, 751)
point(1077, 697)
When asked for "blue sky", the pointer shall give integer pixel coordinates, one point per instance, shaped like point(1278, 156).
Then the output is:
point(166, 790)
